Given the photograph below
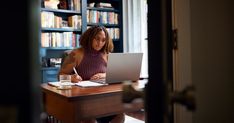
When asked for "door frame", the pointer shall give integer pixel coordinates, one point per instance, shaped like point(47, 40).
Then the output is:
point(159, 61)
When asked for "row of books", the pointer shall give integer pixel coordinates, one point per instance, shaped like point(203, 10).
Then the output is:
point(63, 4)
point(94, 16)
point(75, 21)
point(113, 32)
point(74, 5)
point(50, 20)
point(60, 40)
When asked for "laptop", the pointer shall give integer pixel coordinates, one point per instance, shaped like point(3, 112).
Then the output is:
point(122, 67)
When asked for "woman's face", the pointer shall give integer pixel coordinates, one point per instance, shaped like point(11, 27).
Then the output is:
point(99, 41)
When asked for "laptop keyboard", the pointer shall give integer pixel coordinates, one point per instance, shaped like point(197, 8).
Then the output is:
point(103, 81)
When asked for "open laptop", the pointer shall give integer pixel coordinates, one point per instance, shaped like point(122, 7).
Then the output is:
point(122, 67)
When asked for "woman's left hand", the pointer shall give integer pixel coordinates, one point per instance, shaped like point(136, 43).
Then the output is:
point(98, 76)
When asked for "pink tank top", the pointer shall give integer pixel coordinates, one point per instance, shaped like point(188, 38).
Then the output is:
point(91, 64)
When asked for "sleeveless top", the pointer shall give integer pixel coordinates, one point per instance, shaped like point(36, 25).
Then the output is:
point(91, 64)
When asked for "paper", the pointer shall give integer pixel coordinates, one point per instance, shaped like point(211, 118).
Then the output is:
point(89, 84)
point(57, 84)
point(81, 84)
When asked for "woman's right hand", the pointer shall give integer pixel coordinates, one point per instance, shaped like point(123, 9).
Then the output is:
point(75, 78)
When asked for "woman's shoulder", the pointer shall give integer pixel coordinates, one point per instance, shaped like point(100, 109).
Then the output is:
point(78, 51)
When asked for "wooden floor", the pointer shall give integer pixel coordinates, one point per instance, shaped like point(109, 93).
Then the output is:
point(131, 117)
point(140, 115)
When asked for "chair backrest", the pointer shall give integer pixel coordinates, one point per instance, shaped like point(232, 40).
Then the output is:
point(65, 54)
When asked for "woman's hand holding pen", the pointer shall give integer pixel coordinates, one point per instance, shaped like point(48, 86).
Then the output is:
point(75, 78)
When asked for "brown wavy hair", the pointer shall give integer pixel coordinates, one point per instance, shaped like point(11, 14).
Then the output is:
point(87, 37)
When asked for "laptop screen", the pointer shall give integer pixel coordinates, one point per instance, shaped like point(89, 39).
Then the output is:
point(123, 66)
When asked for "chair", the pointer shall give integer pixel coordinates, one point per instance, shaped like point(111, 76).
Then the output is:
point(65, 54)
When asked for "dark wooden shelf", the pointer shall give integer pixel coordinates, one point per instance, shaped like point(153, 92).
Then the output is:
point(50, 68)
point(61, 11)
point(45, 29)
point(103, 9)
point(103, 24)
point(58, 48)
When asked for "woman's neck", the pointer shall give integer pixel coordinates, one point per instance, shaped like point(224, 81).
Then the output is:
point(93, 51)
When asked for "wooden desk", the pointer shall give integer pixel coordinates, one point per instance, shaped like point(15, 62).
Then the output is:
point(71, 106)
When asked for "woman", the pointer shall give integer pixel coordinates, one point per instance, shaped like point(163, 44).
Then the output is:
point(90, 62)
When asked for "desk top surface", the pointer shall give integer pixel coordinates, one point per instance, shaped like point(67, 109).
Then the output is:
point(77, 92)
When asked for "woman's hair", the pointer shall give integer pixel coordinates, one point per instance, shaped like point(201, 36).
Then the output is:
point(87, 37)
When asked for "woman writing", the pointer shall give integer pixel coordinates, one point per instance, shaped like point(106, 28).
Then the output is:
point(90, 62)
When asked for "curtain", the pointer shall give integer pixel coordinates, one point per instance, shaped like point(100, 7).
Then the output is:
point(135, 30)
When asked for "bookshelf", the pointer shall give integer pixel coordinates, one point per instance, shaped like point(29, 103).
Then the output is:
point(110, 16)
point(62, 23)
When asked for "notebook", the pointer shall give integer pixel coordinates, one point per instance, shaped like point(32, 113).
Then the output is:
point(122, 67)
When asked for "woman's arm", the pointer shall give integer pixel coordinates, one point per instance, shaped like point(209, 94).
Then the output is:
point(67, 67)
point(98, 76)
point(68, 64)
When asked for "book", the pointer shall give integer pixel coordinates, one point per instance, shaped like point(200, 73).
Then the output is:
point(104, 5)
point(53, 4)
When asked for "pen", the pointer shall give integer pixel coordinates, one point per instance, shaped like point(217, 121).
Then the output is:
point(75, 70)
point(79, 78)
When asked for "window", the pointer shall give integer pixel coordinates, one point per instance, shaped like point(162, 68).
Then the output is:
point(135, 30)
